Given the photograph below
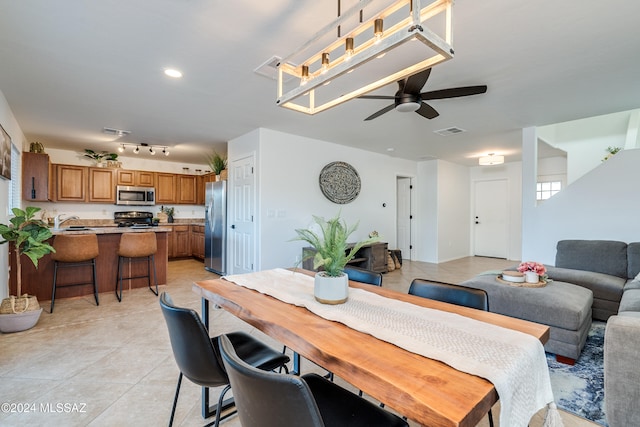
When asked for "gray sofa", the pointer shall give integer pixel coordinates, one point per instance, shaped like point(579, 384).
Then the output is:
point(609, 268)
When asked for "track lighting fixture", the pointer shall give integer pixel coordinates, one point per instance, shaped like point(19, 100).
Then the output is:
point(152, 148)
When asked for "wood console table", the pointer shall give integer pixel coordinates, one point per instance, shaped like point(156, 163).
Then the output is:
point(370, 257)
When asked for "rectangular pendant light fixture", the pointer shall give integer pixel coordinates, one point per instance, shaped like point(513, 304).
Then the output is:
point(399, 22)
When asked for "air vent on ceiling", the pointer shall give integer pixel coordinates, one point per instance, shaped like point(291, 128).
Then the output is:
point(116, 132)
point(449, 131)
point(269, 69)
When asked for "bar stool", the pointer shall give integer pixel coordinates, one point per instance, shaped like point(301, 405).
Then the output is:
point(137, 247)
point(73, 251)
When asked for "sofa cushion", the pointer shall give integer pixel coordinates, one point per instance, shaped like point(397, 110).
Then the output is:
point(633, 259)
point(601, 256)
point(632, 284)
point(630, 301)
point(603, 286)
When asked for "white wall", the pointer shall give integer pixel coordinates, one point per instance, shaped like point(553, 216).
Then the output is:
point(10, 125)
point(105, 211)
point(288, 167)
point(427, 211)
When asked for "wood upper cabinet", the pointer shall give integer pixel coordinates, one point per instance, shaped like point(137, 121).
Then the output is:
point(187, 189)
point(37, 177)
point(136, 178)
point(101, 185)
point(166, 188)
point(71, 183)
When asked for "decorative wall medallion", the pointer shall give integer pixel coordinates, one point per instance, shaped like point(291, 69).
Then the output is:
point(340, 182)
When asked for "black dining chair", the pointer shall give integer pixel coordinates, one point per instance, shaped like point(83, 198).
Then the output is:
point(198, 357)
point(363, 275)
point(452, 294)
point(268, 399)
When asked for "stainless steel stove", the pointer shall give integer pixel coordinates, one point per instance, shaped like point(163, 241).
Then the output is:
point(137, 219)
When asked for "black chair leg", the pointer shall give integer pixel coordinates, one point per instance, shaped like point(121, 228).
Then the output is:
point(95, 281)
point(490, 414)
point(220, 405)
point(53, 290)
point(155, 278)
point(119, 280)
point(175, 400)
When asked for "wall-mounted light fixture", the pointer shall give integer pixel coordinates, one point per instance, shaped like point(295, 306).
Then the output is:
point(136, 150)
point(387, 29)
point(491, 160)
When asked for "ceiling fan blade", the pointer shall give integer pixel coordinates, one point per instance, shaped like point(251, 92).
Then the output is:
point(377, 97)
point(427, 111)
point(381, 112)
point(454, 92)
point(416, 82)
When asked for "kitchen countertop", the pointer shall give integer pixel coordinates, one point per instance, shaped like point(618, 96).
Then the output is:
point(109, 230)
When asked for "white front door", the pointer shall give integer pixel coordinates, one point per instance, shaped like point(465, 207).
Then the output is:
point(491, 219)
point(403, 232)
point(242, 226)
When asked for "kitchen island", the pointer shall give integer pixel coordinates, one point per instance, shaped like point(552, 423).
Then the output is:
point(39, 281)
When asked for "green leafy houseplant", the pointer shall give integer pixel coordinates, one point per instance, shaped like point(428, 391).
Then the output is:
point(29, 236)
point(99, 156)
point(332, 251)
point(217, 162)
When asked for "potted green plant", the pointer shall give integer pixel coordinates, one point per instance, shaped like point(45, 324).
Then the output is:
point(331, 252)
point(217, 163)
point(29, 236)
point(100, 156)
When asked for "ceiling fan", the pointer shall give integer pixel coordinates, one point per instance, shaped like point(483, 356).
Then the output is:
point(408, 97)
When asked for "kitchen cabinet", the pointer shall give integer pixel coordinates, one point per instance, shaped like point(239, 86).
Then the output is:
point(37, 177)
point(197, 241)
point(101, 185)
point(179, 241)
point(71, 183)
point(135, 178)
point(166, 188)
point(187, 189)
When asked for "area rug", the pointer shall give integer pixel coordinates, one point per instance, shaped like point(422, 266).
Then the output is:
point(579, 389)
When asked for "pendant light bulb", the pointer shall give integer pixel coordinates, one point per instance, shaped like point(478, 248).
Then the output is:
point(325, 63)
point(378, 29)
point(304, 76)
point(153, 153)
point(165, 152)
point(136, 150)
point(121, 148)
point(348, 48)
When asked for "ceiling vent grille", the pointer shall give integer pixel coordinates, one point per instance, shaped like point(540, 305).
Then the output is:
point(449, 131)
point(116, 132)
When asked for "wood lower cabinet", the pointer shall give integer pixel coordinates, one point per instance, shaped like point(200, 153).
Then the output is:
point(71, 183)
point(37, 177)
point(179, 241)
point(371, 257)
point(102, 188)
point(197, 241)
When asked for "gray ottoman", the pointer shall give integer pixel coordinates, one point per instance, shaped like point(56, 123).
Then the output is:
point(564, 307)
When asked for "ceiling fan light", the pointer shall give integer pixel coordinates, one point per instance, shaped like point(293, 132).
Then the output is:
point(408, 107)
point(491, 160)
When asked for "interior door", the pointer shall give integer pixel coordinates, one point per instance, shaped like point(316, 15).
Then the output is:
point(403, 216)
point(491, 219)
point(242, 226)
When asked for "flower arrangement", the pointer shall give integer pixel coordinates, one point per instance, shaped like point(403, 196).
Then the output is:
point(533, 266)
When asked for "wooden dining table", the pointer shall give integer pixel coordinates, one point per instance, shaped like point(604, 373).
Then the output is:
point(424, 390)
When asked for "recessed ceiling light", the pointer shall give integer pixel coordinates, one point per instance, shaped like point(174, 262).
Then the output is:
point(176, 74)
point(391, 149)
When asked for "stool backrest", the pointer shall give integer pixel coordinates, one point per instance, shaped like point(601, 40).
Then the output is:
point(364, 276)
point(75, 247)
point(133, 245)
point(453, 294)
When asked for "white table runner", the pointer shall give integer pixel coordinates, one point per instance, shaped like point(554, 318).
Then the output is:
point(513, 361)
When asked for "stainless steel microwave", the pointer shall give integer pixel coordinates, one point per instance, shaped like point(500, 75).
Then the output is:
point(135, 196)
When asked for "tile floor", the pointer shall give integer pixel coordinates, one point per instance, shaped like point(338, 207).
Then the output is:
point(112, 365)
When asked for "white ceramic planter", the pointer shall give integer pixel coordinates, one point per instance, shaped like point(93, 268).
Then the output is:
point(19, 321)
point(331, 290)
point(531, 277)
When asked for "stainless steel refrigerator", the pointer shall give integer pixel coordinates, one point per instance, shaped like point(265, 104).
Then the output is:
point(215, 226)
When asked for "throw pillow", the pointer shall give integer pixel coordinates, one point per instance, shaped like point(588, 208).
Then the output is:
point(637, 278)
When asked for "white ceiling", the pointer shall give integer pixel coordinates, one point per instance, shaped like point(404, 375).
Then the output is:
point(69, 68)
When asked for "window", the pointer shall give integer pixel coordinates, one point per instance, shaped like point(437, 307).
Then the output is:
point(14, 187)
point(546, 189)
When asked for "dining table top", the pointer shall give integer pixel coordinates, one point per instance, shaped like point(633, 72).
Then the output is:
point(424, 390)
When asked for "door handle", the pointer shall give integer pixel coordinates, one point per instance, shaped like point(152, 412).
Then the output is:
point(233, 226)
